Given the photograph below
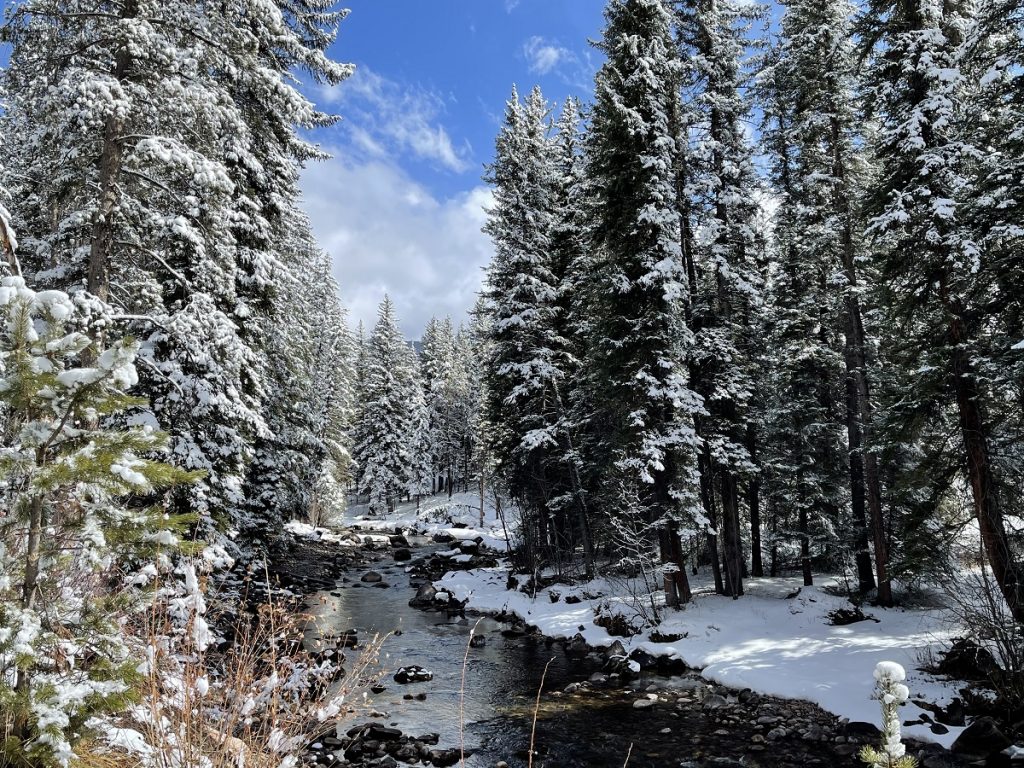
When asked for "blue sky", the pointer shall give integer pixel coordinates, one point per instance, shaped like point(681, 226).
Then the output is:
point(400, 206)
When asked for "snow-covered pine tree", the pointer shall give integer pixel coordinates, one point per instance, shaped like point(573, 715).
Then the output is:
point(300, 468)
point(386, 432)
point(569, 257)
point(75, 523)
point(421, 464)
point(522, 293)
point(275, 254)
point(167, 188)
point(359, 442)
point(443, 377)
point(808, 93)
point(131, 201)
point(726, 294)
point(994, 214)
point(640, 345)
point(936, 284)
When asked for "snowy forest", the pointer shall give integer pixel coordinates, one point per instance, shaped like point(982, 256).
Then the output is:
point(755, 311)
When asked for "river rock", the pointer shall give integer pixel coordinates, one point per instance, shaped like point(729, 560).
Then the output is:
point(413, 674)
point(477, 641)
point(643, 703)
point(644, 659)
point(442, 538)
point(615, 649)
point(714, 701)
point(424, 596)
point(379, 732)
point(954, 714)
point(348, 639)
point(469, 547)
point(980, 739)
point(966, 660)
point(402, 554)
point(398, 540)
point(577, 646)
point(445, 757)
point(372, 577)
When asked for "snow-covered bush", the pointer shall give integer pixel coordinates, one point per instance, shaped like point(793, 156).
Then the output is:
point(77, 517)
point(892, 693)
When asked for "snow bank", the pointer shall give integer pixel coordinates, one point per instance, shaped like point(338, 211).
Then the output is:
point(437, 514)
point(764, 641)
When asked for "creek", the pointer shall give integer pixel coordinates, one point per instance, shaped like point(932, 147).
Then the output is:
point(595, 727)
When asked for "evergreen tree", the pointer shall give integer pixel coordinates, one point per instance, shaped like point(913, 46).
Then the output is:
point(387, 430)
point(640, 345)
point(168, 188)
point(522, 293)
point(811, 134)
point(726, 284)
point(936, 284)
point(72, 485)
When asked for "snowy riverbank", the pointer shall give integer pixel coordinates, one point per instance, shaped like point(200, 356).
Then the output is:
point(765, 641)
point(778, 639)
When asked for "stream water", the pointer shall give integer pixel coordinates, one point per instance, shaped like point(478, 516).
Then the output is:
point(593, 729)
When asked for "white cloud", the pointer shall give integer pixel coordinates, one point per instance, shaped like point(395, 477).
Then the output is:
point(542, 56)
point(387, 118)
point(511, 5)
point(388, 234)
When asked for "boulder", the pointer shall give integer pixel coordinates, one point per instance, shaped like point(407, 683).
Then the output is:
point(714, 701)
point(379, 732)
point(398, 540)
point(980, 739)
point(372, 577)
point(954, 714)
point(402, 554)
point(966, 660)
point(644, 659)
point(424, 596)
point(413, 674)
point(444, 757)
point(577, 646)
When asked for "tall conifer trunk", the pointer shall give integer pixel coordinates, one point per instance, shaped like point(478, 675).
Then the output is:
point(975, 435)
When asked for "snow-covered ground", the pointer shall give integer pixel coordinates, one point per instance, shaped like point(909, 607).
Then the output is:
point(764, 641)
point(458, 516)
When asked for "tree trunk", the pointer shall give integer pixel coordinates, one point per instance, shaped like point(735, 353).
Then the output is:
point(672, 596)
point(101, 241)
point(754, 505)
point(975, 435)
point(731, 545)
point(682, 582)
point(482, 497)
point(865, 484)
point(805, 546)
point(29, 590)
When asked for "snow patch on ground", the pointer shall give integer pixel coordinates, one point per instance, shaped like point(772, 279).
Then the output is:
point(307, 531)
point(764, 641)
point(458, 516)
